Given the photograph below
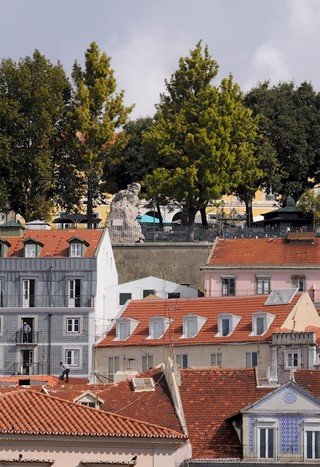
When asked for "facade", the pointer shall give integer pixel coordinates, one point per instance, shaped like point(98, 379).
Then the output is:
point(51, 298)
point(118, 295)
point(239, 267)
point(200, 332)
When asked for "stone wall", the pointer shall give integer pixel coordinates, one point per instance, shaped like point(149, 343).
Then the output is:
point(176, 262)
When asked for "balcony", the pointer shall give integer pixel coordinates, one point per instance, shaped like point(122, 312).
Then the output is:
point(26, 368)
point(47, 301)
point(31, 339)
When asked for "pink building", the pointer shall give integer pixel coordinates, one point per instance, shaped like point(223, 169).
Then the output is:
point(255, 266)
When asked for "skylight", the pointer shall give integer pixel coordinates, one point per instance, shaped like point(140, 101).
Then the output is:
point(143, 384)
point(280, 297)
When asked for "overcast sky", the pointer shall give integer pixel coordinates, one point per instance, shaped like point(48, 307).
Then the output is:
point(254, 40)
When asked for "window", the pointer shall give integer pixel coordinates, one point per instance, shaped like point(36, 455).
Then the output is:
point(173, 295)
point(89, 404)
point(251, 359)
point(266, 441)
point(124, 297)
point(182, 360)
point(156, 328)
point(74, 286)
point(293, 359)
point(146, 362)
point(225, 326)
point(312, 442)
point(1, 294)
point(113, 367)
point(228, 286)
point(261, 326)
point(123, 330)
point(298, 282)
point(28, 286)
point(75, 249)
point(216, 359)
point(72, 357)
point(189, 327)
point(73, 325)
point(263, 285)
point(147, 292)
point(30, 250)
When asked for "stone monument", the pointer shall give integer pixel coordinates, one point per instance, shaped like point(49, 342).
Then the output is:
point(122, 220)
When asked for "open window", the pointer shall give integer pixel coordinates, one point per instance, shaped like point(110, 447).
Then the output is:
point(227, 323)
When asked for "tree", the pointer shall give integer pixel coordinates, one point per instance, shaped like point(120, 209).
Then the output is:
point(33, 99)
point(309, 202)
point(289, 121)
point(203, 137)
point(127, 162)
point(97, 112)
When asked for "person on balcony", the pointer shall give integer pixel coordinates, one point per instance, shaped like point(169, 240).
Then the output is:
point(26, 332)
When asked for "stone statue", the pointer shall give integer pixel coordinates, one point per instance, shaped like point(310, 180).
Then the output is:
point(122, 220)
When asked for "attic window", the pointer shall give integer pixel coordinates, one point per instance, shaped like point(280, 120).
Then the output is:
point(77, 247)
point(227, 323)
point(125, 327)
point(158, 326)
point(30, 250)
point(192, 325)
point(143, 384)
point(261, 322)
point(4, 245)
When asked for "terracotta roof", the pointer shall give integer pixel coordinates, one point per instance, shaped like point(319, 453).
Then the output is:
point(245, 252)
point(309, 380)
point(55, 242)
point(40, 379)
point(211, 396)
point(153, 407)
point(28, 412)
point(210, 308)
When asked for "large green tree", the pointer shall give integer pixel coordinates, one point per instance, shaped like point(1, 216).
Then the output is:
point(34, 95)
point(98, 112)
point(203, 137)
point(289, 120)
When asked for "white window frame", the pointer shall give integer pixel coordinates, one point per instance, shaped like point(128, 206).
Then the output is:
point(226, 286)
point(113, 367)
point(75, 323)
point(263, 285)
point(216, 359)
point(249, 356)
point(73, 298)
point(312, 426)
point(146, 362)
point(156, 328)
point(75, 249)
point(26, 295)
point(73, 357)
point(123, 330)
point(30, 250)
point(290, 359)
point(267, 425)
point(182, 360)
point(121, 294)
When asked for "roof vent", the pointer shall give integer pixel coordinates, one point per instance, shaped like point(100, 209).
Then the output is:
point(143, 384)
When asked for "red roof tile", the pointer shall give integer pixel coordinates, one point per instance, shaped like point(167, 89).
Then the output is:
point(211, 396)
point(30, 412)
point(55, 242)
point(244, 252)
point(210, 308)
point(309, 380)
point(153, 407)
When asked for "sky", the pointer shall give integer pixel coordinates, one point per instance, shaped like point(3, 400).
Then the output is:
point(254, 40)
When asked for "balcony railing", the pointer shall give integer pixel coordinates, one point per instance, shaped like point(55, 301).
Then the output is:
point(46, 301)
point(26, 368)
point(31, 338)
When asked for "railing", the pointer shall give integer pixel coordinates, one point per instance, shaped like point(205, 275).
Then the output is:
point(26, 368)
point(46, 301)
point(31, 338)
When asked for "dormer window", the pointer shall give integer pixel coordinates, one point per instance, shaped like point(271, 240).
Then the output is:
point(261, 322)
point(31, 248)
point(125, 327)
point(77, 247)
point(227, 324)
point(192, 325)
point(158, 326)
point(4, 246)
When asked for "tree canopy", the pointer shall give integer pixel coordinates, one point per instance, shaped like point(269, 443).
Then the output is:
point(33, 100)
point(203, 138)
point(97, 112)
point(289, 120)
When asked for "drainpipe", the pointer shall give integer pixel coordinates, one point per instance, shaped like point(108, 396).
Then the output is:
point(49, 343)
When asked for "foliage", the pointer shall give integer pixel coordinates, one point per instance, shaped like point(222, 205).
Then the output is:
point(127, 162)
point(309, 202)
point(203, 137)
point(289, 121)
point(33, 99)
point(97, 112)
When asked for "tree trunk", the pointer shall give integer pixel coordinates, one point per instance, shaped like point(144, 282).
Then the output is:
point(190, 227)
point(204, 217)
point(160, 216)
point(89, 205)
